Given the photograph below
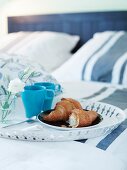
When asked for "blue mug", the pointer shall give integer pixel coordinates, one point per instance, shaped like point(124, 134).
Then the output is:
point(50, 85)
point(36, 99)
point(48, 101)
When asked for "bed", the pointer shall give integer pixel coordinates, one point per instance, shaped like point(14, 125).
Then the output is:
point(84, 25)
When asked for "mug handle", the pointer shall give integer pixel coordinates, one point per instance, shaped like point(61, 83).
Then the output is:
point(48, 99)
point(58, 88)
point(50, 93)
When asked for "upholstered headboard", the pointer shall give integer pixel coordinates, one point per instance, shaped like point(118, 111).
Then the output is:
point(82, 24)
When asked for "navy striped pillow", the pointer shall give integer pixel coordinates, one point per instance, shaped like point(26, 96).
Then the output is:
point(109, 62)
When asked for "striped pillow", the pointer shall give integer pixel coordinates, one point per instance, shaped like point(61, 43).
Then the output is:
point(108, 63)
point(43, 47)
point(103, 58)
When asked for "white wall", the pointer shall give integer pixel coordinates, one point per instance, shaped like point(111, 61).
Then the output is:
point(3, 2)
point(28, 7)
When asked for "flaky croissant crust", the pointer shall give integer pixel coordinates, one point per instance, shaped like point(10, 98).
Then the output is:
point(82, 118)
point(71, 110)
point(62, 110)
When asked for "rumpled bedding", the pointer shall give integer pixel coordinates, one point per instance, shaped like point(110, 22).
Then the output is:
point(11, 68)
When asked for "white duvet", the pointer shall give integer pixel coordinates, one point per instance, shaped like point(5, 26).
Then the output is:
point(17, 155)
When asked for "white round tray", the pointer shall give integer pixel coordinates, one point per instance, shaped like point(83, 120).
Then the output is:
point(36, 131)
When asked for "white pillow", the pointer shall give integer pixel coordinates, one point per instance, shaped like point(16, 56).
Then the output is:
point(50, 49)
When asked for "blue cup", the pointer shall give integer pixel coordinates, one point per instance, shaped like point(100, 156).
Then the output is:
point(48, 101)
point(36, 99)
point(51, 86)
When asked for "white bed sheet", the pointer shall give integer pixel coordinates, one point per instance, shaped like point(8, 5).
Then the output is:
point(65, 155)
point(55, 156)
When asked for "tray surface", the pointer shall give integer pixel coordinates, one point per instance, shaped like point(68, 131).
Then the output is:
point(40, 131)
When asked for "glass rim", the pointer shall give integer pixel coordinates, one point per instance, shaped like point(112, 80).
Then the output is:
point(6, 95)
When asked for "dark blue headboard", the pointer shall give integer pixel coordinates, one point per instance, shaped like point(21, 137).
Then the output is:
point(82, 24)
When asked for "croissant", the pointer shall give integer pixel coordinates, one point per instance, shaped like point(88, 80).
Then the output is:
point(67, 105)
point(74, 102)
point(56, 115)
point(81, 118)
point(62, 111)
